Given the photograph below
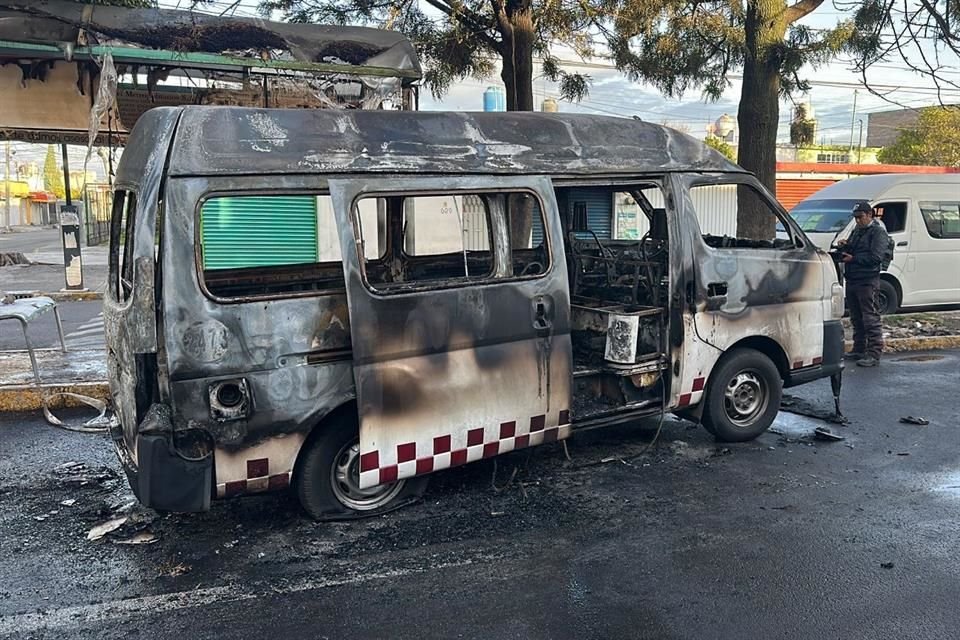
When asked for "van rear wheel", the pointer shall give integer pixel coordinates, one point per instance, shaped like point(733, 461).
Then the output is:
point(327, 479)
point(743, 396)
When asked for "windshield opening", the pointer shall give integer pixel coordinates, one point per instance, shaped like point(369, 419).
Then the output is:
point(824, 216)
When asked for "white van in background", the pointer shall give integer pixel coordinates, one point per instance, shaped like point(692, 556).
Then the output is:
point(921, 213)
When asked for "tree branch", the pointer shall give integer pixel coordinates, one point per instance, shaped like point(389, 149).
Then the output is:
point(801, 9)
point(942, 24)
point(468, 19)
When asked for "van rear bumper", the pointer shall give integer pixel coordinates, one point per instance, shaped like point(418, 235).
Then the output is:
point(832, 361)
point(162, 477)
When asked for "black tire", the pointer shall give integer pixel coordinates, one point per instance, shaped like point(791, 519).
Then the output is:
point(888, 301)
point(323, 497)
point(743, 396)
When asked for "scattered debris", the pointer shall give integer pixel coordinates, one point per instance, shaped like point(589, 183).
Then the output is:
point(173, 570)
point(823, 433)
point(141, 537)
point(78, 473)
point(97, 424)
point(799, 406)
point(8, 259)
point(104, 528)
point(913, 420)
point(886, 565)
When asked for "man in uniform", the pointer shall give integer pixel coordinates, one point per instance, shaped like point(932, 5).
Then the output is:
point(863, 255)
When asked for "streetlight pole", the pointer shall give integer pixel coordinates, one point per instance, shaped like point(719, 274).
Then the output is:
point(853, 120)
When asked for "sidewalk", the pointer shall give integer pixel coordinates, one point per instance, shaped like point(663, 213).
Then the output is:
point(45, 273)
point(80, 372)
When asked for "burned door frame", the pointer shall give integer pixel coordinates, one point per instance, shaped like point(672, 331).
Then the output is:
point(758, 282)
point(130, 322)
point(451, 373)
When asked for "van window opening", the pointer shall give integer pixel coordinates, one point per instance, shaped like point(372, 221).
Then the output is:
point(893, 215)
point(452, 238)
point(942, 219)
point(717, 208)
point(122, 227)
point(274, 244)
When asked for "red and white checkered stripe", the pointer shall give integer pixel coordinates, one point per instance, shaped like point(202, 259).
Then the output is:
point(799, 364)
point(694, 395)
point(451, 450)
point(258, 479)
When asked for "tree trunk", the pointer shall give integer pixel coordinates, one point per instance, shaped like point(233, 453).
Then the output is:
point(517, 35)
point(759, 112)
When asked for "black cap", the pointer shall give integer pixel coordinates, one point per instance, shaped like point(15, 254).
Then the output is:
point(863, 207)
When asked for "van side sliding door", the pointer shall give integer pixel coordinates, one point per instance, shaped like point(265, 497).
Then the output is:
point(461, 331)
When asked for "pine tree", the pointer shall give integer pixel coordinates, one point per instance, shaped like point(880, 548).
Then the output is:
point(52, 175)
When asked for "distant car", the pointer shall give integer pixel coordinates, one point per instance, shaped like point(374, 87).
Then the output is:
point(921, 213)
point(821, 218)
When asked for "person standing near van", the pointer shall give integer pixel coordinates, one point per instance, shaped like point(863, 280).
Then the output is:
point(863, 255)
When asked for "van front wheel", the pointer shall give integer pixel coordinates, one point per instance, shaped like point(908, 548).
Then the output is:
point(327, 480)
point(743, 396)
point(887, 299)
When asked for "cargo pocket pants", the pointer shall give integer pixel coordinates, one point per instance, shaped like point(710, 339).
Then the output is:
point(865, 317)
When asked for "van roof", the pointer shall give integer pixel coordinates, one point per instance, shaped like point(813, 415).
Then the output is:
point(870, 187)
point(237, 141)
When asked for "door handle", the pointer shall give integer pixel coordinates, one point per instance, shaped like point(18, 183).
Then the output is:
point(902, 243)
point(542, 325)
point(716, 289)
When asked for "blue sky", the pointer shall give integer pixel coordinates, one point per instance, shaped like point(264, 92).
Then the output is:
point(610, 93)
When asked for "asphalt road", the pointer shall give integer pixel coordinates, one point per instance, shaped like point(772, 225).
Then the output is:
point(82, 328)
point(784, 537)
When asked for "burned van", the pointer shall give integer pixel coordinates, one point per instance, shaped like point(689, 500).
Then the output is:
point(343, 302)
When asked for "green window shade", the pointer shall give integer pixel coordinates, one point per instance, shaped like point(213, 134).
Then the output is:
point(258, 231)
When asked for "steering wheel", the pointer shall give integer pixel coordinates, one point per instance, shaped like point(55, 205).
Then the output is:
point(539, 266)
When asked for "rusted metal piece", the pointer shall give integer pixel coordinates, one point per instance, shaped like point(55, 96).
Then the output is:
point(59, 21)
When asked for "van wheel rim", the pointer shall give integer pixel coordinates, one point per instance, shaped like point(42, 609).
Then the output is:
point(745, 398)
point(345, 481)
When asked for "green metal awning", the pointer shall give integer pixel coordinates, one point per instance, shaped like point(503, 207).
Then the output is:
point(195, 60)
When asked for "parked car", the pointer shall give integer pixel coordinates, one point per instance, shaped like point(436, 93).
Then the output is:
point(921, 213)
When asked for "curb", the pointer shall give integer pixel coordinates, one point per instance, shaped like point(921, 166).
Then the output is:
point(60, 296)
point(74, 296)
point(924, 343)
point(29, 398)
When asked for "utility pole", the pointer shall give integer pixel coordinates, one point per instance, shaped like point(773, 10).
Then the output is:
point(853, 120)
point(860, 143)
point(6, 195)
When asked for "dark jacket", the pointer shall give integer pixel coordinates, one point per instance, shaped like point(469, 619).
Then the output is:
point(867, 246)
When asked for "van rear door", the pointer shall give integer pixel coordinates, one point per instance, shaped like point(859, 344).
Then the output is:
point(461, 341)
point(129, 306)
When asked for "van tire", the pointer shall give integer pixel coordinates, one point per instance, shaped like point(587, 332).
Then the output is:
point(333, 452)
point(743, 396)
point(888, 300)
